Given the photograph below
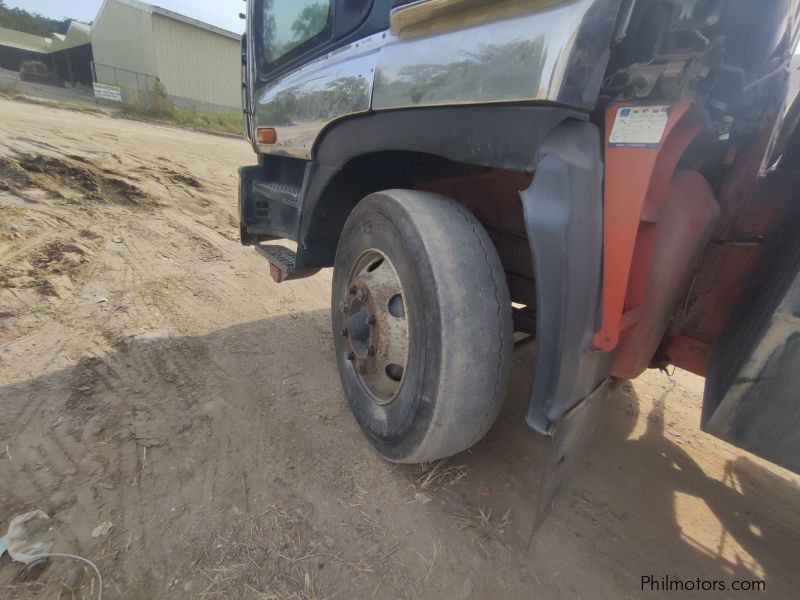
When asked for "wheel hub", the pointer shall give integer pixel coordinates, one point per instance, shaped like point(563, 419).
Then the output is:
point(375, 326)
point(358, 328)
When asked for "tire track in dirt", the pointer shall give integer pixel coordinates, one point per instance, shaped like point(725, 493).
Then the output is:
point(122, 377)
point(31, 410)
point(119, 457)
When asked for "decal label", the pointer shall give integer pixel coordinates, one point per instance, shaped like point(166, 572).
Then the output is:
point(639, 126)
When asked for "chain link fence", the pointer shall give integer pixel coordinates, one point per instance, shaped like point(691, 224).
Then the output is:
point(134, 86)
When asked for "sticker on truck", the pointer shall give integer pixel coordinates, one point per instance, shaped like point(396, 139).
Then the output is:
point(639, 126)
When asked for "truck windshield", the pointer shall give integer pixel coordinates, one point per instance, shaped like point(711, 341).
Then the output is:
point(288, 24)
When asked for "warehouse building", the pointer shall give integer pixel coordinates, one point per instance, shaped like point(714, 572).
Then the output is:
point(134, 44)
point(69, 56)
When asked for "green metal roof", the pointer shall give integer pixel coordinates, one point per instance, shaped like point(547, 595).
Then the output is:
point(78, 34)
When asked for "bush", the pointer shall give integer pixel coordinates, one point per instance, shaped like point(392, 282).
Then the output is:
point(158, 106)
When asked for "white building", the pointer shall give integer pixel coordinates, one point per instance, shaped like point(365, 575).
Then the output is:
point(198, 64)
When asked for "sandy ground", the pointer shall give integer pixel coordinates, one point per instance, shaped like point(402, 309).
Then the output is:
point(152, 376)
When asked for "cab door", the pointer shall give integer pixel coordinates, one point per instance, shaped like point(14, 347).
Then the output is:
point(292, 48)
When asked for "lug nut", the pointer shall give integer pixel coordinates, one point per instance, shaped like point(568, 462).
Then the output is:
point(351, 356)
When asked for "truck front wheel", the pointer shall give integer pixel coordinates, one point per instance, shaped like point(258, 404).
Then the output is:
point(422, 324)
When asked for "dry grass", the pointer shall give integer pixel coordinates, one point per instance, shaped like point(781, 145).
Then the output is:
point(268, 556)
point(430, 562)
point(229, 123)
point(439, 474)
point(50, 579)
point(20, 590)
point(88, 108)
point(278, 555)
point(158, 107)
point(9, 89)
point(159, 292)
point(484, 521)
point(488, 530)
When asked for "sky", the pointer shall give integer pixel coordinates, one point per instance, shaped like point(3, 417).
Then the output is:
point(222, 13)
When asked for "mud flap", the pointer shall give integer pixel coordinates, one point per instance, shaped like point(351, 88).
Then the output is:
point(563, 211)
point(573, 435)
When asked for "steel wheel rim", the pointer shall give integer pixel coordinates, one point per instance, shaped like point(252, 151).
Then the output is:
point(375, 327)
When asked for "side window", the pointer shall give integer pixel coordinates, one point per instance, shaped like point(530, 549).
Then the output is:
point(289, 26)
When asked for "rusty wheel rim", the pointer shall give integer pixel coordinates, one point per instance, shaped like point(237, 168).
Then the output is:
point(375, 327)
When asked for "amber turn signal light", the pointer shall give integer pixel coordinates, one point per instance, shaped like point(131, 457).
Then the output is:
point(267, 135)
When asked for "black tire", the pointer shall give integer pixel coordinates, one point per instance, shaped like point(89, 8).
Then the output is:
point(460, 333)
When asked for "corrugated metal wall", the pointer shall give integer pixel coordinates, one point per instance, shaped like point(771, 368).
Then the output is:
point(197, 66)
point(122, 37)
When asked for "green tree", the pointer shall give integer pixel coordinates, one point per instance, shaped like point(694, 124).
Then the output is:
point(269, 45)
point(21, 20)
point(310, 22)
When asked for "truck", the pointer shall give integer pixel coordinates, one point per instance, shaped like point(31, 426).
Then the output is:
point(617, 180)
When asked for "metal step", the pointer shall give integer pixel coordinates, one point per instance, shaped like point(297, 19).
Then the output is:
point(283, 263)
point(277, 192)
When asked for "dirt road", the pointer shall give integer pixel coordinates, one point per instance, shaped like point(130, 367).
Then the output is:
point(152, 376)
